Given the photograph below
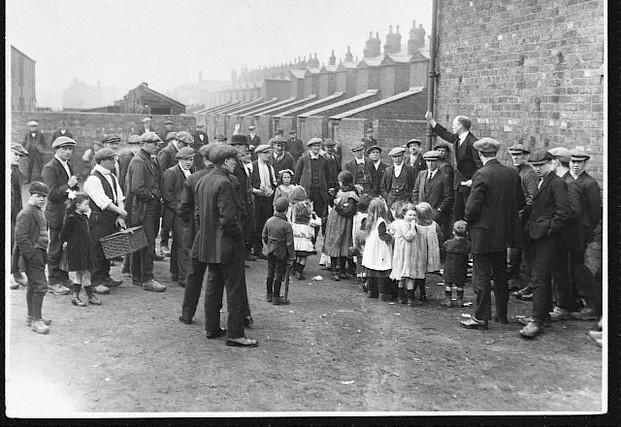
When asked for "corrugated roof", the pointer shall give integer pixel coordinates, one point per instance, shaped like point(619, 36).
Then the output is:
point(242, 105)
point(335, 95)
point(250, 109)
point(398, 96)
point(369, 93)
point(271, 106)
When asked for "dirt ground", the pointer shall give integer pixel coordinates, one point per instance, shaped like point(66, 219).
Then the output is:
point(332, 349)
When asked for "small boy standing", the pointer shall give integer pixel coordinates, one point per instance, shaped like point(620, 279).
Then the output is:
point(31, 241)
point(457, 251)
point(278, 235)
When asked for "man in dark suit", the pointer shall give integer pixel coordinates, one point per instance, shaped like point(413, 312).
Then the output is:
point(281, 160)
point(311, 172)
point(444, 164)
point(146, 126)
point(433, 186)
point(467, 159)
point(492, 215)
point(415, 157)
point(398, 180)
point(143, 204)
point(357, 166)
point(219, 245)
point(34, 143)
point(263, 181)
point(200, 139)
point(244, 194)
point(17, 153)
point(295, 146)
point(173, 180)
point(168, 128)
point(62, 131)
point(126, 155)
point(59, 177)
point(334, 168)
point(375, 168)
point(548, 216)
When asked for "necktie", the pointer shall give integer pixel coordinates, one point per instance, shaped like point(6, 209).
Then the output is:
point(540, 182)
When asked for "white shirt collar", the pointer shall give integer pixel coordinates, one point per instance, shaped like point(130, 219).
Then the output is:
point(463, 137)
point(377, 164)
point(431, 173)
point(359, 161)
point(312, 156)
point(102, 170)
point(62, 162)
point(398, 168)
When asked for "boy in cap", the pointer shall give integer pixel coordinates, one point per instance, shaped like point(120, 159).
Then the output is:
point(444, 164)
point(281, 159)
point(334, 168)
point(107, 215)
point(357, 166)
point(173, 180)
point(457, 251)
point(17, 153)
point(414, 157)
point(34, 143)
point(375, 170)
point(278, 236)
point(31, 240)
point(295, 146)
point(253, 139)
point(62, 182)
point(398, 180)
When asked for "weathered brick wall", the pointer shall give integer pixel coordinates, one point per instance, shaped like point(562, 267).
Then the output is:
point(347, 132)
point(89, 127)
point(313, 127)
point(286, 124)
point(327, 84)
point(264, 128)
point(526, 71)
point(418, 73)
point(362, 80)
point(387, 81)
point(408, 108)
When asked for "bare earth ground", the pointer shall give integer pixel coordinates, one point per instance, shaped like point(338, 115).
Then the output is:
point(331, 349)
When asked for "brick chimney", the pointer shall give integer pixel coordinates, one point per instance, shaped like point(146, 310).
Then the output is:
point(332, 60)
point(372, 46)
point(417, 38)
point(348, 56)
point(393, 41)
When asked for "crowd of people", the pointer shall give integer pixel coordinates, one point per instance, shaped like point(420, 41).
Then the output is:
point(225, 204)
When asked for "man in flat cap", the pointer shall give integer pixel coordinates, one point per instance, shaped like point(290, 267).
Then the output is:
point(244, 194)
point(254, 140)
point(590, 216)
point(375, 168)
point(334, 168)
point(31, 241)
point(112, 142)
point(18, 152)
point(220, 139)
point(186, 210)
point(466, 157)
point(492, 216)
point(357, 166)
point(143, 204)
point(433, 186)
point(168, 128)
point(61, 131)
point(295, 146)
point(281, 159)
point(126, 155)
point(549, 213)
point(263, 181)
point(146, 126)
point(311, 172)
point(444, 164)
point(107, 215)
point(219, 245)
point(200, 139)
point(34, 143)
point(368, 138)
point(62, 182)
point(173, 180)
point(414, 156)
point(398, 180)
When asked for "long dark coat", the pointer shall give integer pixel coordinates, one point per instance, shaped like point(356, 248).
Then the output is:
point(55, 177)
point(186, 209)
point(492, 209)
point(166, 157)
point(467, 158)
point(16, 194)
point(550, 210)
point(172, 188)
point(438, 192)
point(219, 239)
point(286, 162)
point(334, 168)
point(125, 157)
point(78, 252)
point(375, 177)
point(142, 184)
point(303, 175)
point(590, 205)
point(34, 145)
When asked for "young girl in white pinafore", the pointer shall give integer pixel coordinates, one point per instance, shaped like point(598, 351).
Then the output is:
point(359, 235)
point(304, 222)
point(427, 252)
point(377, 255)
point(285, 179)
point(404, 233)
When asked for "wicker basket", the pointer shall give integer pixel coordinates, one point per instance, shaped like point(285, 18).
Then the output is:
point(124, 242)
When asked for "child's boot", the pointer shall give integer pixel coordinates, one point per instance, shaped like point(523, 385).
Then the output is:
point(372, 283)
point(460, 297)
point(301, 275)
point(401, 296)
point(421, 289)
point(269, 294)
point(382, 289)
point(448, 294)
point(38, 325)
point(75, 296)
point(410, 297)
point(276, 300)
point(92, 296)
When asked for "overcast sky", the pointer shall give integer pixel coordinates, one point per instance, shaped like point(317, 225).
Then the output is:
point(166, 43)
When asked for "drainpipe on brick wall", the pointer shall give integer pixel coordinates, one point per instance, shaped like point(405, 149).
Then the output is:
point(432, 75)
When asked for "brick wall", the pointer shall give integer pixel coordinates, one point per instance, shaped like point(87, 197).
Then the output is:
point(286, 124)
point(391, 133)
point(327, 84)
point(276, 89)
point(526, 71)
point(313, 127)
point(89, 127)
point(264, 128)
point(347, 132)
point(408, 108)
point(418, 73)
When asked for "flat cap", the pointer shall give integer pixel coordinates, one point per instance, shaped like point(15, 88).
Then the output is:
point(171, 135)
point(146, 120)
point(111, 139)
point(313, 141)
point(561, 153)
point(460, 227)
point(206, 149)
point(104, 154)
point(149, 137)
point(252, 127)
point(357, 146)
point(133, 139)
point(432, 155)
point(441, 144)
point(32, 123)
point(518, 149)
point(239, 140)
point(39, 188)
point(185, 137)
point(63, 141)
point(220, 137)
point(579, 153)
point(221, 152)
point(397, 151)
point(329, 142)
point(263, 148)
point(413, 141)
point(374, 147)
point(168, 122)
point(540, 157)
point(291, 132)
point(185, 153)
point(19, 148)
point(487, 145)
point(277, 140)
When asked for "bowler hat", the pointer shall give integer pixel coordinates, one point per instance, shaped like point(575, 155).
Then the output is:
point(540, 157)
point(239, 140)
point(432, 155)
point(281, 204)
point(262, 148)
point(185, 137)
point(104, 154)
point(397, 151)
point(63, 141)
point(221, 152)
point(171, 135)
point(313, 141)
point(561, 153)
point(357, 146)
point(413, 141)
point(19, 148)
point(149, 137)
point(111, 139)
point(487, 145)
point(39, 188)
point(185, 153)
point(579, 154)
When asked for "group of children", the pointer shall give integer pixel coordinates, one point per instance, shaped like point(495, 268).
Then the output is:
point(390, 259)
